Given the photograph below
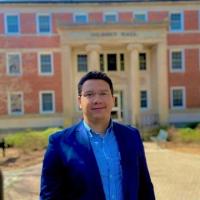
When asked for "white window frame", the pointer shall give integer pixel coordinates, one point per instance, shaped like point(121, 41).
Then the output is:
point(80, 14)
point(39, 64)
point(118, 108)
point(114, 13)
point(183, 60)
point(53, 99)
point(148, 100)
point(7, 64)
point(38, 23)
point(140, 13)
point(9, 103)
point(84, 54)
point(171, 98)
point(182, 21)
point(6, 24)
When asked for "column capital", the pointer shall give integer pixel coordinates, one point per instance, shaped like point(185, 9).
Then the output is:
point(93, 47)
point(134, 46)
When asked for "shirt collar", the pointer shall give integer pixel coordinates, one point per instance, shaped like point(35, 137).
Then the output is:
point(92, 132)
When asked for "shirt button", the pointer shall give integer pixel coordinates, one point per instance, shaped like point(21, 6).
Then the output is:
point(112, 196)
point(111, 176)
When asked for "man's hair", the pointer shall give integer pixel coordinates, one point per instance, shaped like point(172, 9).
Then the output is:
point(94, 75)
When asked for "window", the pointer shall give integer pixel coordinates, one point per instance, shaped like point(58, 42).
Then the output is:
point(112, 62)
point(13, 64)
point(111, 17)
point(82, 63)
point(46, 66)
point(44, 24)
point(142, 61)
point(140, 17)
point(81, 18)
point(178, 97)
point(176, 22)
point(177, 64)
point(15, 103)
point(12, 24)
point(47, 102)
point(117, 110)
point(143, 99)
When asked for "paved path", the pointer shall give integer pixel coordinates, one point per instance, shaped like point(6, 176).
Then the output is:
point(176, 176)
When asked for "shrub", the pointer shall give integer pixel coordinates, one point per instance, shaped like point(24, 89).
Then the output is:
point(30, 140)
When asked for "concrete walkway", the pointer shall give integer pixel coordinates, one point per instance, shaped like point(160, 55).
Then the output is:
point(176, 176)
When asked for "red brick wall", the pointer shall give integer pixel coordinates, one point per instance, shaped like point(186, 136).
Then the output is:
point(1, 23)
point(190, 79)
point(125, 16)
point(96, 17)
point(156, 16)
point(62, 18)
point(28, 23)
point(29, 42)
point(191, 20)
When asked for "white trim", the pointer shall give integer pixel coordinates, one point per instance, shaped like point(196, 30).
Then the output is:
point(145, 13)
point(182, 21)
point(39, 64)
point(20, 63)
point(37, 23)
point(75, 14)
point(184, 97)
point(114, 13)
point(183, 60)
point(9, 103)
point(6, 24)
point(40, 101)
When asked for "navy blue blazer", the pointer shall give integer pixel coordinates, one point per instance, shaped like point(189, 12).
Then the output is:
point(70, 171)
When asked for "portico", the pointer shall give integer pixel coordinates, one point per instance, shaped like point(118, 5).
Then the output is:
point(118, 49)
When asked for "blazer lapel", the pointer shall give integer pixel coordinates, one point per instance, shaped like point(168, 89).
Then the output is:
point(84, 149)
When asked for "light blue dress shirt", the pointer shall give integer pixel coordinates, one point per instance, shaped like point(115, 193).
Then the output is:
point(107, 155)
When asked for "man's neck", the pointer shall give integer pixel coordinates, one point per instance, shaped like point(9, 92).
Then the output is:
point(98, 126)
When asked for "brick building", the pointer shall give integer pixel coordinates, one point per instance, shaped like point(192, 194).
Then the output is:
point(151, 50)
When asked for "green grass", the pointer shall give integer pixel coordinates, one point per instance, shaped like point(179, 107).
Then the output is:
point(30, 140)
point(189, 135)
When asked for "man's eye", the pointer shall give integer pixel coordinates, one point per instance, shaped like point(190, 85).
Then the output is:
point(89, 94)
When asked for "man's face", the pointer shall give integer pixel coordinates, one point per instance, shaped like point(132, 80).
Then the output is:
point(96, 100)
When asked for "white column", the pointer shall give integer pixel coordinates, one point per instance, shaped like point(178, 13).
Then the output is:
point(67, 93)
point(162, 73)
point(93, 56)
point(135, 82)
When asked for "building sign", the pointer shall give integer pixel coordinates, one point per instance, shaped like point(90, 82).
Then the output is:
point(113, 35)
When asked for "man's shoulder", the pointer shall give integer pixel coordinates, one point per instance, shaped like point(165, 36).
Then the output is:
point(127, 127)
point(66, 132)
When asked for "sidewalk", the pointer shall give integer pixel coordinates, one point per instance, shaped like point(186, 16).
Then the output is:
point(176, 176)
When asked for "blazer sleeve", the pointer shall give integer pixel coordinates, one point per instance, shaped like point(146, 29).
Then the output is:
point(51, 177)
point(146, 190)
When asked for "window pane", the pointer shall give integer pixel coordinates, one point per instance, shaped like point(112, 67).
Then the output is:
point(140, 18)
point(12, 24)
point(16, 103)
point(14, 64)
point(82, 63)
point(46, 66)
point(101, 58)
point(143, 99)
point(175, 21)
point(122, 64)
point(177, 98)
point(44, 24)
point(47, 102)
point(142, 61)
point(112, 62)
point(176, 60)
point(110, 18)
point(82, 19)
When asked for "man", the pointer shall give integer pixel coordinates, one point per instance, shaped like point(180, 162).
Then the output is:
point(96, 159)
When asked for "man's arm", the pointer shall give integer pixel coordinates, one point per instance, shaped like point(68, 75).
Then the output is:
point(146, 190)
point(51, 180)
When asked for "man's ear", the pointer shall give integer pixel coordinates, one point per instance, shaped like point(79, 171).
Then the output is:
point(79, 102)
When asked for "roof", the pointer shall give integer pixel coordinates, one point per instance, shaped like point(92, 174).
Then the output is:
point(85, 1)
